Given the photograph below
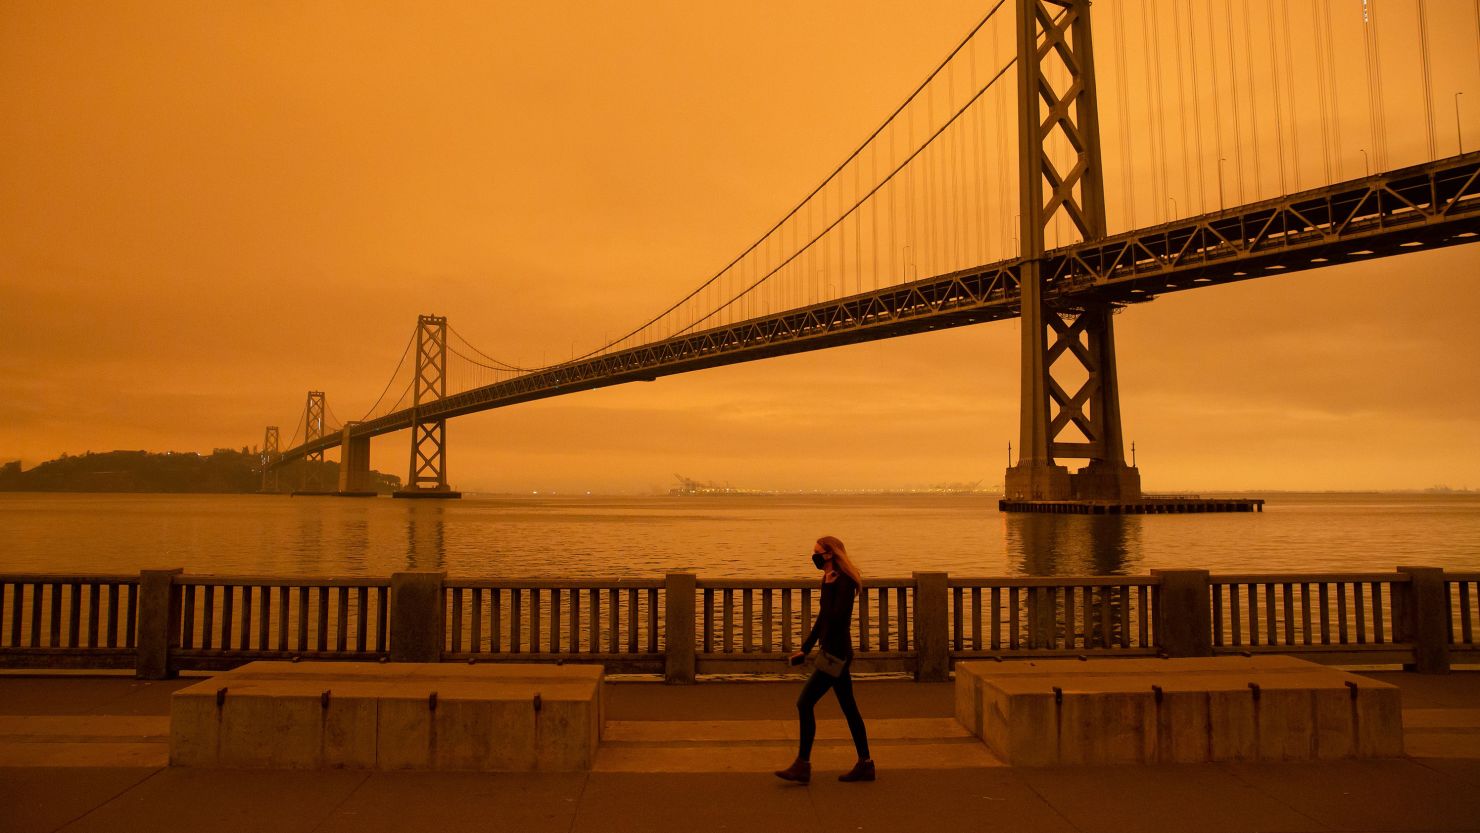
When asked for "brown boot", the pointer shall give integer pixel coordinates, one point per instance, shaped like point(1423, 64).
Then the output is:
point(800, 771)
point(861, 771)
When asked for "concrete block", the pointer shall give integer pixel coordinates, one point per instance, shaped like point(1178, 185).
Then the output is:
point(195, 727)
point(1282, 725)
point(1379, 720)
point(1182, 727)
point(1271, 708)
point(1232, 735)
point(1335, 724)
point(488, 717)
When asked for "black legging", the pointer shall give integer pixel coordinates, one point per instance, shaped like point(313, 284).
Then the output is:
point(817, 686)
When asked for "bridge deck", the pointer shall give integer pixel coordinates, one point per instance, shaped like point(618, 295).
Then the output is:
point(1420, 207)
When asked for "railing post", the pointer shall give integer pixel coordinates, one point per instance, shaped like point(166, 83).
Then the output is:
point(1183, 613)
point(932, 628)
point(158, 624)
point(678, 621)
point(418, 617)
point(1426, 609)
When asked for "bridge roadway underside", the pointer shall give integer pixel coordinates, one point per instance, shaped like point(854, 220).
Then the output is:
point(1411, 209)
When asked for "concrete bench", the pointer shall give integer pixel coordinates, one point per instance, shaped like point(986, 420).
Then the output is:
point(356, 715)
point(1053, 712)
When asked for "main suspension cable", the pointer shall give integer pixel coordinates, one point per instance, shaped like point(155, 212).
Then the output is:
point(394, 373)
point(805, 200)
point(843, 216)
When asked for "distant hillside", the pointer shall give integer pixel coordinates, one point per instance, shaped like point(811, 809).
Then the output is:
point(222, 471)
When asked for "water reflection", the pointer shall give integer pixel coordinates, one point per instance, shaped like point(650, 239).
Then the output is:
point(356, 547)
point(310, 544)
point(1060, 545)
point(426, 535)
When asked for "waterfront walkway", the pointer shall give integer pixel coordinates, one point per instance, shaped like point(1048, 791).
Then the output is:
point(84, 753)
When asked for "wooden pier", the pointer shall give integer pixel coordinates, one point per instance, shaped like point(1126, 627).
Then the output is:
point(1145, 506)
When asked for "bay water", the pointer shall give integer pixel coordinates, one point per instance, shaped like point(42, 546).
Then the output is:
point(760, 536)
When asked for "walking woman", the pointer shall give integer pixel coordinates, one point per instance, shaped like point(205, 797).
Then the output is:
point(832, 631)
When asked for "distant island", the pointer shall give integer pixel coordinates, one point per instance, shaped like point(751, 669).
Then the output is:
point(223, 471)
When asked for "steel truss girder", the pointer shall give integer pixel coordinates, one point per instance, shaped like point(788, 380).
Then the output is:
point(1384, 214)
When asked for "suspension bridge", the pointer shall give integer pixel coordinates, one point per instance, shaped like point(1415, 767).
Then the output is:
point(1252, 135)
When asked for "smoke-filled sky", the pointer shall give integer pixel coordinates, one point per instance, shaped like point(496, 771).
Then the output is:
point(207, 209)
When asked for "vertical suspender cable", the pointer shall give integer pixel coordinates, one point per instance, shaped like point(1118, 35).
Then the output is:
point(1279, 107)
point(1182, 108)
point(1428, 84)
point(1253, 102)
point(1238, 138)
point(1154, 105)
point(1372, 53)
point(1128, 166)
point(1202, 189)
point(873, 211)
point(1005, 197)
point(1377, 67)
point(1290, 89)
point(857, 230)
point(1321, 82)
point(1335, 91)
point(980, 162)
point(894, 222)
point(1217, 107)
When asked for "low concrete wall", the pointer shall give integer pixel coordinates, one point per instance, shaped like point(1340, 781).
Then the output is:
point(390, 716)
point(1056, 712)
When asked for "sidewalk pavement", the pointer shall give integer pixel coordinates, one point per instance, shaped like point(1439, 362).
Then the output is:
point(83, 753)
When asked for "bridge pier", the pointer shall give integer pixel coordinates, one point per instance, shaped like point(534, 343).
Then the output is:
point(428, 474)
point(354, 465)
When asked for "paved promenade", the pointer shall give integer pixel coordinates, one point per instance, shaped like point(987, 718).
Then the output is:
point(87, 753)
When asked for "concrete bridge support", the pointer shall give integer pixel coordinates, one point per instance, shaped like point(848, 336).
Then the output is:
point(1060, 153)
point(354, 465)
point(428, 474)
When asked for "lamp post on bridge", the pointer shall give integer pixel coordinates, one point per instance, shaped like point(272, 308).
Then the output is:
point(1459, 135)
point(1221, 160)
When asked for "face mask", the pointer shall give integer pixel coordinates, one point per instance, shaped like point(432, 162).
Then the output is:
point(819, 561)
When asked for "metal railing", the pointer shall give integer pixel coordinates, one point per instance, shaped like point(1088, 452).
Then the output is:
point(59, 621)
point(681, 626)
point(774, 617)
point(1462, 595)
point(993, 617)
point(1340, 613)
point(611, 621)
point(228, 620)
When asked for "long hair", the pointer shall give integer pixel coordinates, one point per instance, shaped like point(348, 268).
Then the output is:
point(842, 561)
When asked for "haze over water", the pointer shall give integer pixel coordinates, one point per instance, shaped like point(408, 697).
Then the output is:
point(750, 536)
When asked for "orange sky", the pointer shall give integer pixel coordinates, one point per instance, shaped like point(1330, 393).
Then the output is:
point(210, 208)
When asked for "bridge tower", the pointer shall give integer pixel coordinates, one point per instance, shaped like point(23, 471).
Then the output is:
point(1059, 157)
point(312, 479)
point(268, 457)
point(428, 475)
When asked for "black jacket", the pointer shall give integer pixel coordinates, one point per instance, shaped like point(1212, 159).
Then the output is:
point(834, 625)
